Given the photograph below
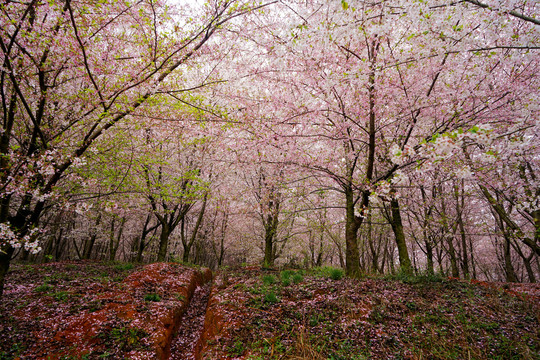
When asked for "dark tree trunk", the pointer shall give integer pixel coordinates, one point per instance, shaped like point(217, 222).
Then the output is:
point(397, 227)
point(5, 261)
point(163, 242)
point(429, 254)
point(189, 244)
point(114, 240)
point(352, 256)
point(508, 266)
point(89, 243)
point(459, 210)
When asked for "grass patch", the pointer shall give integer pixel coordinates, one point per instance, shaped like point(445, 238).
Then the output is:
point(297, 278)
point(152, 297)
point(43, 288)
point(271, 298)
point(328, 272)
point(269, 279)
point(124, 266)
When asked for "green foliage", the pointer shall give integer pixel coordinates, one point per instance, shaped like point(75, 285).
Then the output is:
point(179, 297)
point(237, 349)
point(415, 279)
point(297, 278)
point(124, 266)
point(127, 338)
point(269, 279)
point(61, 296)
point(286, 274)
point(43, 288)
point(336, 274)
point(328, 272)
point(152, 297)
point(13, 353)
point(271, 298)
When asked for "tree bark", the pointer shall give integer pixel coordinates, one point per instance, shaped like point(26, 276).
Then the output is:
point(163, 242)
point(352, 256)
point(5, 261)
point(397, 227)
point(459, 210)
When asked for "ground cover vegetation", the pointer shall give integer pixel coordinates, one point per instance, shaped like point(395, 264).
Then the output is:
point(94, 310)
point(98, 310)
point(396, 138)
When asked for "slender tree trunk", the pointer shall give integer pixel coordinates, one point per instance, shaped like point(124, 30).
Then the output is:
point(269, 246)
point(352, 257)
point(187, 247)
point(473, 261)
point(528, 267)
point(163, 242)
point(508, 266)
point(453, 259)
point(429, 255)
point(397, 227)
point(115, 244)
point(459, 210)
point(5, 261)
point(89, 243)
point(374, 253)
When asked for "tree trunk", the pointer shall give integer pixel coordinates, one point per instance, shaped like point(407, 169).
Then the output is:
point(397, 227)
point(269, 247)
point(188, 246)
point(453, 259)
point(459, 210)
point(89, 243)
point(352, 257)
point(429, 254)
point(163, 242)
point(528, 267)
point(5, 261)
point(508, 267)
point(116, 244)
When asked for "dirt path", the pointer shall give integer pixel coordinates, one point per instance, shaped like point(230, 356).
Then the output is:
point(191, 326)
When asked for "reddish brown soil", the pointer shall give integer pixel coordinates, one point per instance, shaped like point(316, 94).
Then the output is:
point(184, 344)
point(106, 316)
point(89, 310)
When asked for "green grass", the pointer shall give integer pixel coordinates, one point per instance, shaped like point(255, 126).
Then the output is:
point(124, 266)
point(152, 297)
point(271, 298)
point(297, 278)
point(43, 288)
point(269, 279)
point(328, 272)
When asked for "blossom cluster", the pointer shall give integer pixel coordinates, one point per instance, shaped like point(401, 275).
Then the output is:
point(29, 241)
point(398, 156)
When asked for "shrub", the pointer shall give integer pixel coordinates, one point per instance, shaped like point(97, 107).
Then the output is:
point(286, 274)
point(127, 338)
point(297, 278)
point(61, 295)
point(152, 297)
point(269, 279)
point(271, 298)
point(43, 288)
point(123, 267)
point(336, 274)
point(329, 272)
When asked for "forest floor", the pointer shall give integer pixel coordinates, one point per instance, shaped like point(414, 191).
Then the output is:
point(91, 310)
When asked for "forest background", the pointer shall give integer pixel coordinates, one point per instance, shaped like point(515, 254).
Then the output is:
point(376, 136)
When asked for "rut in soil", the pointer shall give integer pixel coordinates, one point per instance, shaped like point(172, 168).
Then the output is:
point(191, 325)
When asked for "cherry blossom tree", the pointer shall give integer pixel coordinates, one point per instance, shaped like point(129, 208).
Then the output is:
point(72, 71)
